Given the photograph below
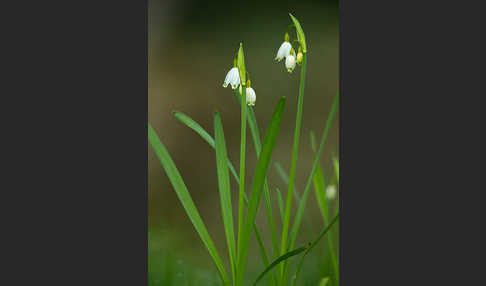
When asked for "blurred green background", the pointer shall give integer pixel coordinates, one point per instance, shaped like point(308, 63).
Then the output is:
point(191, 48)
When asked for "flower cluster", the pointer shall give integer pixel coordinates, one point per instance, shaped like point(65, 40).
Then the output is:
point(287, 52)
point(233, 79)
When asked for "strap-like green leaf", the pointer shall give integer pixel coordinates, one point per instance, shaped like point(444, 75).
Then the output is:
point(258, 147)
point(319, 187)
point(335, 162)
point(302, 203)
point(186, 200)
point(280, 204)
point(189, 122)
point(205, 135)
point(257, 186)
point(224, 189)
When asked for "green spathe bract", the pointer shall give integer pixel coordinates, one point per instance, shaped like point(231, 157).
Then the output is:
point(241, 65)
point(186, 200)
point(300, 33)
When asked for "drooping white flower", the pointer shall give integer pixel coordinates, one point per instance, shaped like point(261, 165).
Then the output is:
point(283, 51)
point(232, 78)
point(331, 192)
point(250, 96)
point(290, 63)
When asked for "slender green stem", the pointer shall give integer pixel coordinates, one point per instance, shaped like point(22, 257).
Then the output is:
point(257, 186)
point(252, 123)
point(242, 167)
point(302, 204)
point(288, 198)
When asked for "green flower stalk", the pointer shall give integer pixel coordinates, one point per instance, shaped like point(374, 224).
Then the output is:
point(298, 120)
point(242, 74)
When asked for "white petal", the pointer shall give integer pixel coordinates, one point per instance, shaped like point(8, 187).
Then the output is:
point(227, 78)
point(250, 96)
point(283, 51)
point(290, 63)
point(234, 78)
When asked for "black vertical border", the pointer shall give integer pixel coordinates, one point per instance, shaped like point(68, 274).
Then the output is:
point(77, 175)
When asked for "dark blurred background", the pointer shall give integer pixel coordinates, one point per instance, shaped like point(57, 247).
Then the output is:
point(191, 48)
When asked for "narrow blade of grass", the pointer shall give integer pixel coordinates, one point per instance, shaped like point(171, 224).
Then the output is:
point(280, 204)
point(278, 260)
point(319, 185)
point(319, 188)
point(224, 190)
point(189, 122)
point(186, 200)
point(302, 203)
point(312, 245)
point(185, 119)
point(335, 161)
point(257, 186)
point(264, 256)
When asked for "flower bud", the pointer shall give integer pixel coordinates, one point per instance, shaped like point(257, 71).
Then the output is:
point(331, 192)
point(300, 56)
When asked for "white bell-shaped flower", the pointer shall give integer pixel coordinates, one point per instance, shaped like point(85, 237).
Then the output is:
point(250, 96)
point(283, 51)
point(290, 63)
point(232, 78)
point(331, 192)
